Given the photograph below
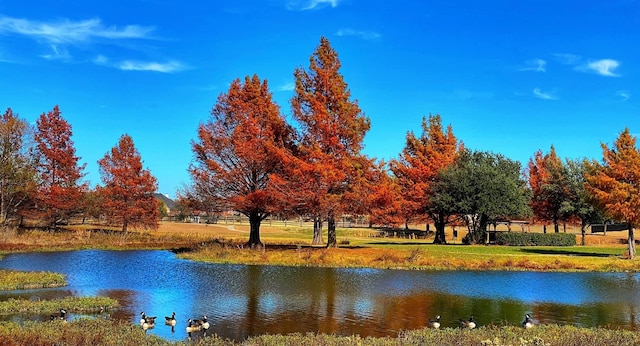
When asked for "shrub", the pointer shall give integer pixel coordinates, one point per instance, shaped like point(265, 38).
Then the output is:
point(535, 239)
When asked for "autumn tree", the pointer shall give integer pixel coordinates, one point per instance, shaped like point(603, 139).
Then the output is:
point(128, 189)
point(418, 167)
point(17, 166)
point(615, 183)
point(551, 198)
point(238, 150)
point(332, 133)
point(480, 187)
point(60, 191)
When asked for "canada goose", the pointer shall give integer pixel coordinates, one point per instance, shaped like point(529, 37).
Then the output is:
point(60, 315)
point(205, 323)
point(193, 326)
point(147, 322)
point(528, 322)
point(470, 324)
point(170, 320)
point(435, 323)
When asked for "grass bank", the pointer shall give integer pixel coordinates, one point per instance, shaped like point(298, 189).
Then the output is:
point(17, 280)
point(106, 332)
point(419, 256)
point(290, 244)
point(71, 304)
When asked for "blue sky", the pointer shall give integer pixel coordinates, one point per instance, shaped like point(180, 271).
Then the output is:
point(511, 77)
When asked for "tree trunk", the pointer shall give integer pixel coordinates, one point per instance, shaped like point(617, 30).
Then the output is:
point(555, 226)
point(254, 230)
point(632, 243)
point(440, 237)
point(583, 230)
point(317, 231)
point(332, 240)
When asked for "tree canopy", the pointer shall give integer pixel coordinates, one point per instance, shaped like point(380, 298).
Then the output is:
point(418, 167)
point(332, 133)
point(128, 192)
point(60, 189)
point(238, 150)
point(615, 183)
point(481, 187)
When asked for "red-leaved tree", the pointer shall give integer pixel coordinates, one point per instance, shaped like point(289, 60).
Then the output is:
point(615, 183)
point(238, 150)
point(128, 192)
point(333, 129)
point(60, 191)
point(548, 179)
point(417, 169)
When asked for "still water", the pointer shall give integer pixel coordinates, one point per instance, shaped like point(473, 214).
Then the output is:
point(241, 301)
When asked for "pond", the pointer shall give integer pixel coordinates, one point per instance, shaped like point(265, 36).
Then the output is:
point(241, 300)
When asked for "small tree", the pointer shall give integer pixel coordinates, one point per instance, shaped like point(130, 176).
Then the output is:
point(481, 187)
point(615, 183)
point(418, 167)
point(551, 195)
point(60, 191)
point(128, 191)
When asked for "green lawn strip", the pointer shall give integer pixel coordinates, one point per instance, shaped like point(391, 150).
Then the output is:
point(18, 280)
point(71, 304)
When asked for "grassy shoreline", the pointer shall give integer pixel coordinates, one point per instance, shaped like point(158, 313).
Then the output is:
point(107, 332)
point(71, 304)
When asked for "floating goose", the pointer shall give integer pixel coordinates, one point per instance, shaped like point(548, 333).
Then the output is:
point(470, 324)
point(60, 315)
point(528, 322)
point(435, 323)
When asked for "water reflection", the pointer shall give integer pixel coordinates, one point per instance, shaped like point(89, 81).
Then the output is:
point(241, 301)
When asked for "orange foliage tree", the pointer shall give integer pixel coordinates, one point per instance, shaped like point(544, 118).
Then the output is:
point(239, 149)
point(384, 198)
point(17, 169)
point(333, 129)
point(615, 183)
point(60, 191)
point(128, 192)
point(550, 187)
point(417, 168)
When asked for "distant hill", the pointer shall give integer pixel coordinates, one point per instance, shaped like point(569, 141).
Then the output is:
point(167, 201)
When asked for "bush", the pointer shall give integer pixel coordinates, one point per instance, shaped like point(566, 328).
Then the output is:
point(535, 239)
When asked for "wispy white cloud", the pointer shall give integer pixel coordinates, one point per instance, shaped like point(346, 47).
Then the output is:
point(168, 67)
point(543, 95)
point(537, 65)
point(624, 94)
point(304, 5)
point(603, 67)
point(70, 32)
point(366, 35)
